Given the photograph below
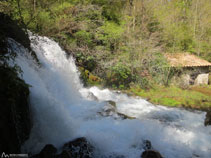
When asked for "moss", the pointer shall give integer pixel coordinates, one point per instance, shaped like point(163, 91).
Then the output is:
point(88, 78)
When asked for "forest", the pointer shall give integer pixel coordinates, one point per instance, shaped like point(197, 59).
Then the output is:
point(121, 43)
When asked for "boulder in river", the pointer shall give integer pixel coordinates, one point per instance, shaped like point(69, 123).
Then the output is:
point(49, 151)
point(151, 154)
point(149, 151)
point(110, 109)
point(78, 148)
point(123, 116)
point(92, 96)
point(147, 145)
point(207, 120)
point(111, 102)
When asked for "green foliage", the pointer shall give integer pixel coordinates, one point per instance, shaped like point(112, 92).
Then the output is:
point(45, 22)
point(111, 9)
point(109, 34)
point(144, 83)
point(88, 78)
point(84, 38)
point(87, 62)
point(167, 101)
point(160, 69)
point(119, 76)
point(60, 8)
point(197, 97)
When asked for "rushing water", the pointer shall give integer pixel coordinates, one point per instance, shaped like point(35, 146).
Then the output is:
point(62, 110)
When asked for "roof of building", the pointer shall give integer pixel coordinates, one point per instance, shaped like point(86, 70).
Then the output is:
point(185, 60)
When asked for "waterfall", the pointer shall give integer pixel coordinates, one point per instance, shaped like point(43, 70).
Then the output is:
point(62, 110)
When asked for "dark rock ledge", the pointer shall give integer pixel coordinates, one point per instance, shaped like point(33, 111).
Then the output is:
point(77, 148)
point(15, 120)
point(81, 148)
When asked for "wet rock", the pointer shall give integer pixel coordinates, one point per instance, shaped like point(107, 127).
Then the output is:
point(92, 96)
point(65, 154)
point(195, 156)
point(151, 154)
point(110, 109)
point(113, 103)
point(78, 148)
point(123, 116)
point(15, 120)
point(49, 151)
point(116, 156)
point(207, 120)
point(120, 156)
point(147, 145)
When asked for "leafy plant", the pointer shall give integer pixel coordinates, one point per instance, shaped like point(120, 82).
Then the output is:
point(120, 75)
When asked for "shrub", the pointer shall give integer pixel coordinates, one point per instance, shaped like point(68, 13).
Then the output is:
point(110, 34)
point(87, 61)
point(119, 76)
point(84, 38)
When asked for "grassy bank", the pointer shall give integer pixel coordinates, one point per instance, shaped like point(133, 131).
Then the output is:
point(193, 97)
point(196, 97)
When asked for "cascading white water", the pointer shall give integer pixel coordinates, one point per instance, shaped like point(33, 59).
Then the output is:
point(61, 111)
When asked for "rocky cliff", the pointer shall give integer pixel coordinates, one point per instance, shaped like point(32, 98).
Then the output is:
point(15, 121)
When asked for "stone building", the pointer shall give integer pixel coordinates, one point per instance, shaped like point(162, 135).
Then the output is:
point(191, 69)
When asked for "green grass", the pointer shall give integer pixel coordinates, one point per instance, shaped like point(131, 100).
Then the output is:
point(197, 97)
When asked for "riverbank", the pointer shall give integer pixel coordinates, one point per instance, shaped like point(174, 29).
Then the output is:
point(192, 97)
point(195, 97)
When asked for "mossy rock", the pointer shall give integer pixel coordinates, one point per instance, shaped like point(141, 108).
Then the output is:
point(88, 78)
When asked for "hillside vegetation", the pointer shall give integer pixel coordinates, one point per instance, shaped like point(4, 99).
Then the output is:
point(120, 43)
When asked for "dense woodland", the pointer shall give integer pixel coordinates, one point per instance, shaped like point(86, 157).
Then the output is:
point(120, 41)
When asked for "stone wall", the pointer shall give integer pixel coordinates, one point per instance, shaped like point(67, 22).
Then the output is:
point(201, 79)
point(191, 76)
